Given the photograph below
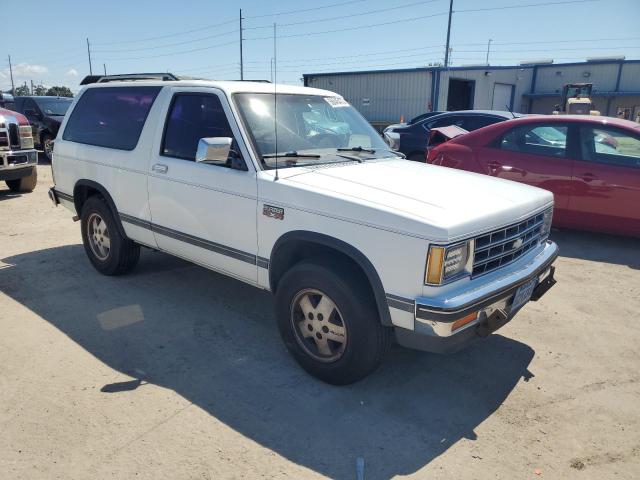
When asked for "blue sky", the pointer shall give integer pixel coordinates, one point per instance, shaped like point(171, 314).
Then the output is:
point(200, 38)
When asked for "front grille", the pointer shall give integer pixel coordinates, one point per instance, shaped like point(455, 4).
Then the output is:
point(14, 136)
point(501, 247)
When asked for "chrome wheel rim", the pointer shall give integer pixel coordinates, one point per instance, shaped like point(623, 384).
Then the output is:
point(318, 325)
point(98, 236)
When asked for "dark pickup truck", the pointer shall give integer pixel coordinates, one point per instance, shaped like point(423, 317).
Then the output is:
point(45, 115)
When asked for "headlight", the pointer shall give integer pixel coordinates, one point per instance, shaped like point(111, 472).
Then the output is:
point(392, 138)
point(447, 263)
point(545, 230)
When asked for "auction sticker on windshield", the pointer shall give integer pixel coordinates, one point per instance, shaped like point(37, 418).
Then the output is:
point(336, 102)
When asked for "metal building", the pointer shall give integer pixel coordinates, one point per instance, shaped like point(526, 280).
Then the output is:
point(388, 96)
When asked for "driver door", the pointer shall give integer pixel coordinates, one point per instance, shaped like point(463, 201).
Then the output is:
point(203, 212)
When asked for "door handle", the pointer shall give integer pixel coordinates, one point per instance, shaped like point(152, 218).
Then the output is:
point(588, 177)
point(160, 168)
point(494, 167)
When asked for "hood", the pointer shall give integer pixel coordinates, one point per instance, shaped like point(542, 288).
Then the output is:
point(436, 202)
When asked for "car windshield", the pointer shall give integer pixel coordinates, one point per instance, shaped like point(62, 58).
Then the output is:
point(311, 129)
point(54, 106)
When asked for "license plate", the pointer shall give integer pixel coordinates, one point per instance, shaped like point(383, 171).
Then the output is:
point(523, 294)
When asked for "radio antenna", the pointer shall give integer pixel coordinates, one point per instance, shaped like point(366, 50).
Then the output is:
point(275, 97)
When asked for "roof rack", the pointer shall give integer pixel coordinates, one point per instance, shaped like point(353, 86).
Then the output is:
point(128, 77)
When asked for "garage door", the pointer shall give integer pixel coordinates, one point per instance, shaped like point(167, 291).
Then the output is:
point(502, 96)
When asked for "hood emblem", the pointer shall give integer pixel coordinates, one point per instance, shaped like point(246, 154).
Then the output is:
point(517, 244)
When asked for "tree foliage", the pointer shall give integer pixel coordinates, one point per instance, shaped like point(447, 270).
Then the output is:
point(22, 90)
point(59, 92)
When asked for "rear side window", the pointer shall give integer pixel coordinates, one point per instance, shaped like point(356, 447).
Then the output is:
point(545, 140)
point(478, 121)
point(110, 117)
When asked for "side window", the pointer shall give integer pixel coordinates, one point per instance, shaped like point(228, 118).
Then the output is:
point(445, 122)
point(610, 146)
point(192, 117)
point(110, 117)
point(30, 107)
point(545, 140)
point(478, 121)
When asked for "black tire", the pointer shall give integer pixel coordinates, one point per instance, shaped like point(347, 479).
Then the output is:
point(44, 143)
point(417, 157)
point(122, 255)
point(367, 340)
point(24, 184)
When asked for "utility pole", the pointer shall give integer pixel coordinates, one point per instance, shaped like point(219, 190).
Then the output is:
point(241, 59)
point(31, 87)
point(488, 48)
point(89, 53)
point(13, 88)
point(446, 52)
point(104, 65)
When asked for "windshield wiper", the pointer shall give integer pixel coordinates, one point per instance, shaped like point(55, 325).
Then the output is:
point(356, 149)
point(292, 154)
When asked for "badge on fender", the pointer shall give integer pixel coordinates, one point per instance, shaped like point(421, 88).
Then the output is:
point(273, 212)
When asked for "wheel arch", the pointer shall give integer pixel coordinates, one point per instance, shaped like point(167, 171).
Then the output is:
point(83, 189)
point(294, 246)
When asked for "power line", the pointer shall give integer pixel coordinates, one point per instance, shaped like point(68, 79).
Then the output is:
point(371, 25)
point(173, 53)
point(343, 17)
point(155, 47)
point(305, 9)
point(507, 7)
point(184, 32)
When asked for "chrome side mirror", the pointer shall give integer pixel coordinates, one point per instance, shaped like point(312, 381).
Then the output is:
point(213, 149)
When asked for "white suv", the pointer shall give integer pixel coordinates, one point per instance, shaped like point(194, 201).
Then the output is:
point(296, 193)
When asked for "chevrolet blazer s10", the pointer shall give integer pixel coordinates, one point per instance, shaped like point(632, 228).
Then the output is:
point(289, 189)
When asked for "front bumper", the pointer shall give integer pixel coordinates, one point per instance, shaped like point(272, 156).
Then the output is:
point(15, 164)
point(435, 327)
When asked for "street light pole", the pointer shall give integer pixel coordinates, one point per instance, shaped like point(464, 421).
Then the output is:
point(488, 48)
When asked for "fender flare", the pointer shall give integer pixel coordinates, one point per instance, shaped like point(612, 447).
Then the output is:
point(105, 194)
point(346, 249)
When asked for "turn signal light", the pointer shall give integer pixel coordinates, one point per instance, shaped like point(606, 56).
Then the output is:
point(434, 265)
point(458, 324)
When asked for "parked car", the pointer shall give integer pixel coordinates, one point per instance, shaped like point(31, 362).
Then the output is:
point(591, 164)
point(414, 120)
point(6, 101)
point(45, 115)
point(358, 246)
point(412, 139)
point(18, 159)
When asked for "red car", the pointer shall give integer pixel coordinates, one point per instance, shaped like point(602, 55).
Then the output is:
point(591, 164)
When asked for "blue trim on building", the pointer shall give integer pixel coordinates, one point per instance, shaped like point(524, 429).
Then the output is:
point(433, 90)
point(479, 67)
point(594, 93)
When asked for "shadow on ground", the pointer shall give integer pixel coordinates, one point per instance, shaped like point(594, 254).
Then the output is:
point(598, 247)
point(213, 340)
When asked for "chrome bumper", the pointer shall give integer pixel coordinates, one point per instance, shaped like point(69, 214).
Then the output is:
point(16, 164)
point(435, 317)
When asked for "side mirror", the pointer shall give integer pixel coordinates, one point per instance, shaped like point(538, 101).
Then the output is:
point(213, 149)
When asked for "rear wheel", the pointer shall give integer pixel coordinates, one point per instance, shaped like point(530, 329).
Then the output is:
point(24, 184)
point(108, 250)
point(329, 322)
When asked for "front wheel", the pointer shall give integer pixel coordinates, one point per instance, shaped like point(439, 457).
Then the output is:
point(328, 320)
point(47, 146)
point(24, 184)
point(108, 250)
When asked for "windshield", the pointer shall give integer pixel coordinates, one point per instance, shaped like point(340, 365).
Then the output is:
point(307, 124)
point(54, 106)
